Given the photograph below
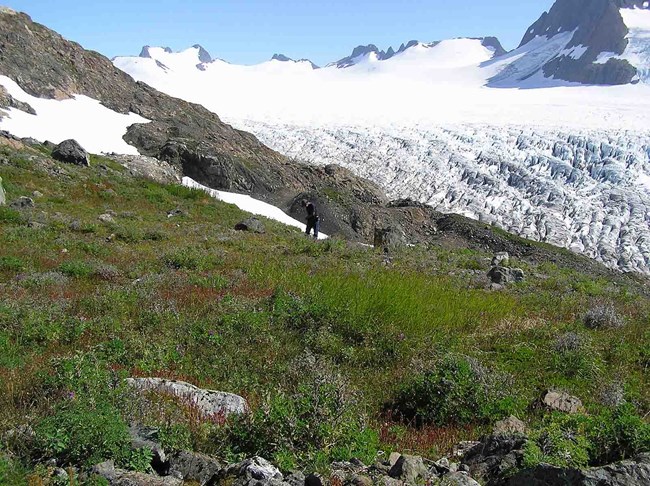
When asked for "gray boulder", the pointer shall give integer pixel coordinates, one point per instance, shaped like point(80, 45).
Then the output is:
point(23, 202)
point(500, 258)
point(209, 403)
point(389, 238)
point(3, 197)
point(192, 466)
point(561, 402)
point(409, 469)
point(510, 425)
point(147, 438)
point(71, 152)
point(495, 456)
point(458, 479)
point(253, 225)
point(503, 275)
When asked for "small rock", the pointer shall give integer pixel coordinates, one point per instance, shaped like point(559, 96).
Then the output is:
point(36, 225)
point(393, 458)
point(37, 194)
point(3, 196)
point(175, 212)
point(409, 469)
point(561, 402)
point(463, 468)
point(458, 479)
point(106, 218)
point(517, 274)
point(510, 425)
point(314, 480)
point(22, 203)
point(71, 152)
point(192, 466)
point(360, 480)
point(442, 466)
point(296, 478)
point(250, 471)
point(253, 225)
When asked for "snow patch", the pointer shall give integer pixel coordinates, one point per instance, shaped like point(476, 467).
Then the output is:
point(95, 127)
point(250, 205)
point(575, 52)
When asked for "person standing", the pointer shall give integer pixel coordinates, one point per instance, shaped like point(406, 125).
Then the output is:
point(313, 220)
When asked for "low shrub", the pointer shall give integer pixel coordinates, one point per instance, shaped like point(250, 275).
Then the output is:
point(603, 316)
point(560, 441)
point(12, 264)
point(313, 421)
point(77, 268)
point(618, 433)
point(573, 356)
point(10, 216)
point(581, 440)
point(83, 433)
point(455, 390)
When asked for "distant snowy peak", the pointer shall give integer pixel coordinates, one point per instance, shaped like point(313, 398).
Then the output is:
point(605, 44)
point(283, 58)
point(372, 53)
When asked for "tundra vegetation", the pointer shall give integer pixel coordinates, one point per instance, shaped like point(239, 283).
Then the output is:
point(340, 353)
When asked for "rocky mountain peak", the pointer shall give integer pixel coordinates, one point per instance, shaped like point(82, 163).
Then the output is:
point(598, 27)
point(204, 56)
point(281, 58)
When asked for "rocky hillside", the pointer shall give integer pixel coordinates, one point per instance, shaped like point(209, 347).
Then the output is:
point(144, 340)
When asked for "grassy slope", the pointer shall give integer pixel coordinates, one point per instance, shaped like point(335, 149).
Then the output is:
point(189, 298)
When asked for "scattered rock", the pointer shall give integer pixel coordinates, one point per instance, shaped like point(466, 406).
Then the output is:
point(409, 469)
point(499, 258)
point(561, 402)
point(495, 456)
point(208, 402)
point(119, 477)
point(510, 425)
point(253, 471)
point(37, 194)
point(23, 202)
point(36, 225)
point(253, 225)
point(71, 152)
point(61, 475)
point(191, 466)
point(106, 218)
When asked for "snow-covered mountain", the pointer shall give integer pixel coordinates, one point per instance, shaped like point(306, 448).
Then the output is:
point(508, 138)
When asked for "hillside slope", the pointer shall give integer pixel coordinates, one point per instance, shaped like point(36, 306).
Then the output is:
point(340, 350)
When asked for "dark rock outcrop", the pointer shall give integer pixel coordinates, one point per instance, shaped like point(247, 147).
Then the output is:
point(495, 456)
point(599, 27)
point(633, 472)
point(71, 152)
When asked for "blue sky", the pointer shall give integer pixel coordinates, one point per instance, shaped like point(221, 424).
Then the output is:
point(251, 31)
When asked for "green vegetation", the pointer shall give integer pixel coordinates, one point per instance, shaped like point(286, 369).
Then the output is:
point(319, 337)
